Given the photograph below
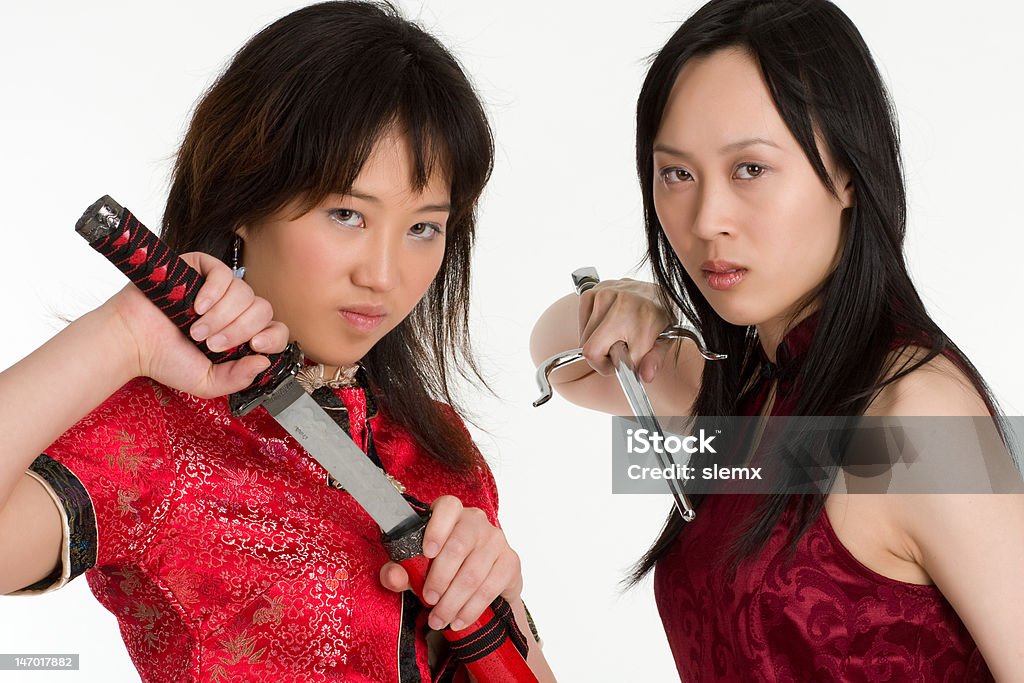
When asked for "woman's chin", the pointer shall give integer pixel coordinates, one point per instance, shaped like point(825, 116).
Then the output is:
point(735, 314)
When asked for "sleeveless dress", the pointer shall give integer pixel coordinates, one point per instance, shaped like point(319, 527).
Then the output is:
point(224, 552)
point(816, 615)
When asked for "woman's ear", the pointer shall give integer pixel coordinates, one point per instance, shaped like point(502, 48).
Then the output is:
point(242, 231)
point(844, 184)
point(847, 194)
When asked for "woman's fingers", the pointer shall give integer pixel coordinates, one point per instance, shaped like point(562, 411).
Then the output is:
point(472, 564)
point(230, 312)
point(271, 339)
point(231, 315)
point(462, 567)
point(504, 578)
point(444, 515)
point(218, 278)
point(231, 376)
point(452, 538)
point(648, 366)
point(621, 310)
point(394, 577)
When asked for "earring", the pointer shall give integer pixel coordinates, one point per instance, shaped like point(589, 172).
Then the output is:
point(237, 269)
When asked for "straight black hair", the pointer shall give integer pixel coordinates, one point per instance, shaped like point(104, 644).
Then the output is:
point(823, 81)
point(295, 115)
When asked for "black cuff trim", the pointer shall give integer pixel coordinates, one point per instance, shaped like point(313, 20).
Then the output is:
point(80, 532)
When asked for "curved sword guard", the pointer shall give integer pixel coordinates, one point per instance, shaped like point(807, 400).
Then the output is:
point(571, 356)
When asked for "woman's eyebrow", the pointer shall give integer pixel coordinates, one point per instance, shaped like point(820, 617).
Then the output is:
point(725, 149)
point(426, 208)
point(746, 142)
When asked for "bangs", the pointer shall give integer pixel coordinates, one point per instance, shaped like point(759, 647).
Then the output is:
point(331, 144)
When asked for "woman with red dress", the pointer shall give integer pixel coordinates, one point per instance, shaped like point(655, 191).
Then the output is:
point(775, 214)
point(336, 165)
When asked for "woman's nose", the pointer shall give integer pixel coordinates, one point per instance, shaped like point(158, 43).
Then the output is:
point(378, 269)
point(714, 214)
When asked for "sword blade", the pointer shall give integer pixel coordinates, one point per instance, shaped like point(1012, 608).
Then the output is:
point(329, 445)
point(644, 413)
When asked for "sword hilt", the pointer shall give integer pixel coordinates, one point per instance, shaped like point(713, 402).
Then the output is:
point(487, 647)
point(584, 279)
point(172, 285)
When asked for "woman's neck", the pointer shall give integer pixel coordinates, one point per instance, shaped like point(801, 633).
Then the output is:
point(771, 332)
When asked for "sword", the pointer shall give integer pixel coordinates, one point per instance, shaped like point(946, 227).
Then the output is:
point(171, 284)
point(585, 279)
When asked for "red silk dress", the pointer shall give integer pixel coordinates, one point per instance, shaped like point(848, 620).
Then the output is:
point(819, 615)
point(222, 551)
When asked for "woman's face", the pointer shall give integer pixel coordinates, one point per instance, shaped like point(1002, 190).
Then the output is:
point(750, 220)
point(347, 272)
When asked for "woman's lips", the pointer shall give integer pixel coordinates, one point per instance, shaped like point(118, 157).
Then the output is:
point(362, 320)
point(724, 279)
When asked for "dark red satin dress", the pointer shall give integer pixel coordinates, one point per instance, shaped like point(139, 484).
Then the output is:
point(819, 615)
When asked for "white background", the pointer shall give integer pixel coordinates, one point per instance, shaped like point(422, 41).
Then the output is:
point(95, 101)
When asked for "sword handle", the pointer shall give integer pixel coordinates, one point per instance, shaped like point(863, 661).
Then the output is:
point(485, 647)
point(165, 279)
point(585, 279)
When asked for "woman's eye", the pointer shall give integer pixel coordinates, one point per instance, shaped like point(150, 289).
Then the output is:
point(675, 175)
point(348, 217)
point(425, 231)
point(749, 171)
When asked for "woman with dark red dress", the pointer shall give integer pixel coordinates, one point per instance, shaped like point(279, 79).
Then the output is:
point(775, 213)
point(335, 165)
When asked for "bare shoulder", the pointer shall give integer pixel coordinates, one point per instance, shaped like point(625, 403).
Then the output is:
point(961, 542)
point(938, 387)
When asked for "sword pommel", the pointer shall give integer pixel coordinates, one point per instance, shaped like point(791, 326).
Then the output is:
point(100, 219)
point(584, 279)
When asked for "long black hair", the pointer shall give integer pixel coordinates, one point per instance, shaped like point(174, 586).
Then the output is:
point(824, 82)
point(295, 115)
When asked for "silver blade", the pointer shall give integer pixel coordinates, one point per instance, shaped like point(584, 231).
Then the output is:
point(329, 445)
point(644, 413)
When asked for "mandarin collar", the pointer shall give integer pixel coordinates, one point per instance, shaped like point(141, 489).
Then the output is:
point(792, 348)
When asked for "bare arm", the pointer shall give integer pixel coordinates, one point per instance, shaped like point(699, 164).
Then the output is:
point(971, 546)
point(48, 391)
point(617, 310)
point(40, 398)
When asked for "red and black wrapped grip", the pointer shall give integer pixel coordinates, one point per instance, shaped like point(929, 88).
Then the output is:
point(171, 284)
point(492, 648)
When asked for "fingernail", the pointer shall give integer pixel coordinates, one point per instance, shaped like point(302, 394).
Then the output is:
point(431, 597)
point(200, 331)
point(457, 625)
point(217, 342)
point(435, 622)
point(430, 549)
point(265, 366)
point(258, 341)
point(201, 305)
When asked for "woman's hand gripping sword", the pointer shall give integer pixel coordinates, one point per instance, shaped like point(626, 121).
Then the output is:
point(585, 279)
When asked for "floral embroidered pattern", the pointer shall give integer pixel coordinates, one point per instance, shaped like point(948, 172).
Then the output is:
point(271, 614)
point(128, 456)
point(222, 553)
point(148, 617)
